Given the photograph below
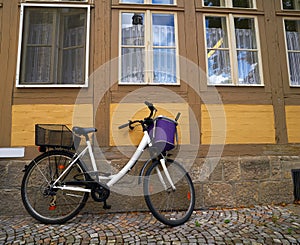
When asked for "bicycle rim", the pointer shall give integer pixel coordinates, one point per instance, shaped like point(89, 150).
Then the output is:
point(52, 206)
point(171, 207)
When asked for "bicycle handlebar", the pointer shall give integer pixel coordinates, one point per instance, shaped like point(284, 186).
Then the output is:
point(124, 125)
point(177, 116)
point(147, 121)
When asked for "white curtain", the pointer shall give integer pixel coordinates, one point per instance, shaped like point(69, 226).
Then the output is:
point(219, 61)
point(54, 50)
point(133, 54)
point(73, 56)
point(247, 56)
point(293, 46)
point(38, 54)
point(219, 69)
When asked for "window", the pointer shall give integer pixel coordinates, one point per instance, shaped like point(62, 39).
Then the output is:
point(291, 4)
point(149, 1)
point(229, 3)
point(148, 48)
point(292, 34)
point(233, 56)
point(53, 47)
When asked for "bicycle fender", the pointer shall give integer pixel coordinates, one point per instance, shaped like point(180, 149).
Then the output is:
point(143, 169)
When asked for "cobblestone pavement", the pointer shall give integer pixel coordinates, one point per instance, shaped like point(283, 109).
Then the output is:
point(257, 225)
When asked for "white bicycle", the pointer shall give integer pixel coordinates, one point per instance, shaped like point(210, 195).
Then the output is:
point(57, 183)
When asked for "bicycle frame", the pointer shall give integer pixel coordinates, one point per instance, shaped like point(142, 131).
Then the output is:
point(112, 179)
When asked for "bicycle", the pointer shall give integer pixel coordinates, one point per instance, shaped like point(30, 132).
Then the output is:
point(56, 184)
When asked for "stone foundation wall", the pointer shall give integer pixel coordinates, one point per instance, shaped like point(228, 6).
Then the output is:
point(246, 181)
point(234, 182)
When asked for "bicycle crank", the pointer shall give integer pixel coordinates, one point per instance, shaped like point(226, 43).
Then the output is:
point(100, 193)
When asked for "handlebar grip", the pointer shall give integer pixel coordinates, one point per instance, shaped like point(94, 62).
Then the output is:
point(177, 116)
point(148, 104)
point(124, 125)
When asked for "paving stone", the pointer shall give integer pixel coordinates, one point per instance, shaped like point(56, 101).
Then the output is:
point(257, 225)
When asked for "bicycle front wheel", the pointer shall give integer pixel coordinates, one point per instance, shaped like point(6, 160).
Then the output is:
point(171, 206)
point(52, 205)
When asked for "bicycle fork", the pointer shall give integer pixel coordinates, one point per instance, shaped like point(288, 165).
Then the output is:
point(163, 164)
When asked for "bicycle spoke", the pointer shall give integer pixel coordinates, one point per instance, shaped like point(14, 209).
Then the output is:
point(47, 204)
point(170, 206)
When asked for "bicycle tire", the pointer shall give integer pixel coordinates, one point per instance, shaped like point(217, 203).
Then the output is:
point(36, 198)
point(171, 207)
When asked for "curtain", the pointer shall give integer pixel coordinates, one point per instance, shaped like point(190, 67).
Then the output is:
point(37, 50)
point(74, 56)
point(219, 65)
point(133, 53)
point(219, 69)
point(164, 53)
point(247, 56)
point(54, 46)
point(293, 46)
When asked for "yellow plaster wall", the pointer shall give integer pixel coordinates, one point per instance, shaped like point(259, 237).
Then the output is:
point(121, 113)
point(24, 118)
point(244, 124)
point(293, 123)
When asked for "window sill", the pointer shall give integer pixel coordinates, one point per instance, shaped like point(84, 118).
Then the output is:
point(236, 85)
point(149, 84)
point(53, 86)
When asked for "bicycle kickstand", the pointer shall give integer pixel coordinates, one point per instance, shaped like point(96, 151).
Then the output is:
point(106, 206)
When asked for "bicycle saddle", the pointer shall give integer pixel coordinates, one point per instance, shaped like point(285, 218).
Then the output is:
point(83, 131)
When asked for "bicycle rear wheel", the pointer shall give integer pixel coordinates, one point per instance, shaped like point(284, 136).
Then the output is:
point(52, 206)
point(171, 207)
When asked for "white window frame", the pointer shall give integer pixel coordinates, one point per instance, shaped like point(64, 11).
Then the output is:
point(288, 51)
point(149, 2)
point(233, 50)
point(228, 4)
point(148, 48)
point(87, 39)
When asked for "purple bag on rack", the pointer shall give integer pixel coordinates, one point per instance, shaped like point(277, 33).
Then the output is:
point(163, 132)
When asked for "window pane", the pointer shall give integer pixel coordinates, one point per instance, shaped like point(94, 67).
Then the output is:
point(73, 64)
point(151, 1)
point(132, 65)
point(291, 4)
point(37, 65)
point(216, 32)
point(164, 66)
point(54, 45)
point(245, 33)
point(210, 3)
point(292, 33)
point(219, 71)
point(163, 30)
point(242, 3)
point(248, 67)
point(132, 1)
point(132, 34)
point(292, 29)
point(294, 64)
point(163, 1)
point(37, 46)
point(40, 27)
